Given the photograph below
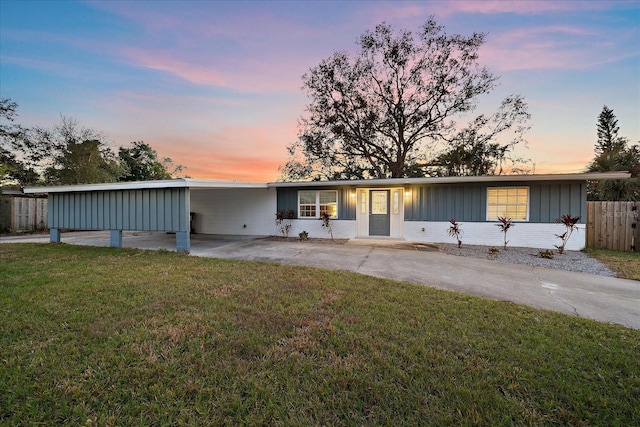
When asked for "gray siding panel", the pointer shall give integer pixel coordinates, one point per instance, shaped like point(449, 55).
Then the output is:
point(146, 211)
point(468, 202)
point(565, 198)
point(116, 207)
point(160, 200)
point(287, 199)
point(94, 210)
point(443, 202)
point(549, 201)
point(175, 219)
point(124, 213)
point(535, 199)
point(554, 204)
point(346, 203)
point(139, 210)
point(77, 209)
point(153, 217)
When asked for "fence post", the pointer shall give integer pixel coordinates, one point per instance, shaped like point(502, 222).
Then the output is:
point(635, 227)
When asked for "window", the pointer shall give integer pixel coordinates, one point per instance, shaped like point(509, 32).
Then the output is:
point(311, 204)
point(509, 202)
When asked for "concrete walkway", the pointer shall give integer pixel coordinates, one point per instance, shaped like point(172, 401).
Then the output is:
point(596, 297)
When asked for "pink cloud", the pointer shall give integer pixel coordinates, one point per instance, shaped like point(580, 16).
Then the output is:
point(192, 72)
point(419, 11)
point(556, 47)
point(524, 7)
point(245, 75)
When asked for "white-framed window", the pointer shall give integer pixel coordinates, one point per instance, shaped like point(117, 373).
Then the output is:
point(508, 202)
point(313, 203)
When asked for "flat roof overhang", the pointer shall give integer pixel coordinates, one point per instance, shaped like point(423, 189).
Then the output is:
point(146, 185)
point(458, 180)
point(222, 185)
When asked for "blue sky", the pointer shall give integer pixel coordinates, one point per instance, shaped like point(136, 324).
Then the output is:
point(217, 85)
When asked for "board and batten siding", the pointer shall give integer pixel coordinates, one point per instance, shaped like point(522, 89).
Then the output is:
point(136, 210)
point(468, 202)
point(288, 199)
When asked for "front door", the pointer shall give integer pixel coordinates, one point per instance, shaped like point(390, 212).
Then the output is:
point(379, 216)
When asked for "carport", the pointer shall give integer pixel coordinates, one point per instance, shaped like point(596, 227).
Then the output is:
point(179, 206)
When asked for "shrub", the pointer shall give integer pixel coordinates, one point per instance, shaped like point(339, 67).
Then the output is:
point(326, 223)
point(455, 231)
point(283, 221)
point(546, 253)
point(303, 235)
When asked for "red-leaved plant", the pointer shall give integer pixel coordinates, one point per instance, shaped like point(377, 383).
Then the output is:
point(455, 231)
point(326, 223)
point(283, 221)
point(505, 225)
point(569, 223)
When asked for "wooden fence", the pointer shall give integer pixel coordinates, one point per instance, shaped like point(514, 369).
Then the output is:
point(23, 213)
point(613, 225)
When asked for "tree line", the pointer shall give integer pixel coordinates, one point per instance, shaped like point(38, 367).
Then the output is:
point(70, 153)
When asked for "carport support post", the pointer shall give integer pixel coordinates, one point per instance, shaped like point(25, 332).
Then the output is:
point(183, 241)
point(54, 235)
point(116, 239)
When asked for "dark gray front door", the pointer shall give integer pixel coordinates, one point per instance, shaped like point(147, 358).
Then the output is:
point(379, 217)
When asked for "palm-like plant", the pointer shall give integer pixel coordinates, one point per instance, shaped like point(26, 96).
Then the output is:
point(326, 223)
point(505, 224)
point(569, 223)
point(455, 231)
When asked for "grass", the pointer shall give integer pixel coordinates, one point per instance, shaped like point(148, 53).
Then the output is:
point(626, 264)
point(102, 336)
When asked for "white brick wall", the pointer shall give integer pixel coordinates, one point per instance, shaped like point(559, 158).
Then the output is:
point(487, 233)
point(342, 229)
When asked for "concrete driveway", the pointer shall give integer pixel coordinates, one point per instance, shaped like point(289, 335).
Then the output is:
point(596, 297)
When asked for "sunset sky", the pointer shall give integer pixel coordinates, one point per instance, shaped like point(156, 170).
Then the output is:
point(216, 85)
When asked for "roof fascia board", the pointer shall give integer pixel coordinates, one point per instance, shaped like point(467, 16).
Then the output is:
point(204, 184)
point(144, 185)
point(134, 185)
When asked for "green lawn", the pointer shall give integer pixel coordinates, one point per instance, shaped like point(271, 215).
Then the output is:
point(101, 336)
point(626, 264)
